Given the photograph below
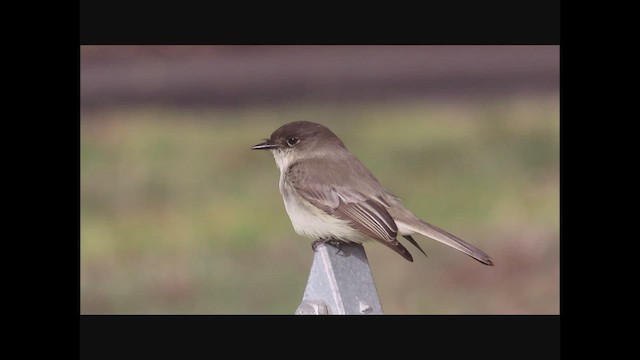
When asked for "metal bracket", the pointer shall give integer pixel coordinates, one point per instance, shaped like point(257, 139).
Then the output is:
point(340, 282)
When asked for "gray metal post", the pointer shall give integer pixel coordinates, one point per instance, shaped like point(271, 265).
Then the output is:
point(340, 282)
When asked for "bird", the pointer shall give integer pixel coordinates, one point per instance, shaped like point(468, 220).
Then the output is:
point(331, 196)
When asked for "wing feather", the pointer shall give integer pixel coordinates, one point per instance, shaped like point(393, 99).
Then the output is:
point(367, 215)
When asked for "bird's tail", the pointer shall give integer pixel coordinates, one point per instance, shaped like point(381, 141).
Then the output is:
point(421, 227)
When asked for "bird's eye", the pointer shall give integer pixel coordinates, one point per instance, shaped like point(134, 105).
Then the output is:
point(292, 141)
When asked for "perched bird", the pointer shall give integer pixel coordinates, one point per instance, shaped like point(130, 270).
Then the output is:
point(330, 196)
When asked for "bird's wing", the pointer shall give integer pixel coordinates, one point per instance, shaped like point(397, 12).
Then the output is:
point(367, 215)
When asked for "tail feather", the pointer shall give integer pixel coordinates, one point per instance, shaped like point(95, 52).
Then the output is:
point(434, 232)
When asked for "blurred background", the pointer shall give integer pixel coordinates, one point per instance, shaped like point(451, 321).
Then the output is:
point(178, 216)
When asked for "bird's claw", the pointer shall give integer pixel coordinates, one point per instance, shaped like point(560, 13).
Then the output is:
point(331, 241)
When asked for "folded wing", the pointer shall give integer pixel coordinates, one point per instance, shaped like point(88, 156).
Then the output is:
point(369, 216)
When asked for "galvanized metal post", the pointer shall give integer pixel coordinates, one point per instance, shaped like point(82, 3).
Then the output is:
point(340, 282)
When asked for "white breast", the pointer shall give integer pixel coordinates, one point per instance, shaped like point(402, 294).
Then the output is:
point(311, 222)
point(308, 220)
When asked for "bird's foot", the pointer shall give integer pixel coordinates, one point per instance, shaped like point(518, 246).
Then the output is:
point(333, 242)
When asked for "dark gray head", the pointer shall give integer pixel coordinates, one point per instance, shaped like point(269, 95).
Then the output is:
point(300, 136)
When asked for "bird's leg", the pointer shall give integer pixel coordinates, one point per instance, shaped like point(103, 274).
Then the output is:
point(315, 244)
point(331, 241)
point(338, 245)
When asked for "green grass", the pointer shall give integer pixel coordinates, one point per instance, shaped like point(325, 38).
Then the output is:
point(179, 216)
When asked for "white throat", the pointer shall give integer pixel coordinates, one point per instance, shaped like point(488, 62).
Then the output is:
point(284, 158)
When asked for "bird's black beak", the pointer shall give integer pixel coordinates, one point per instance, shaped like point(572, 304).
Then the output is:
point(265, 145)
